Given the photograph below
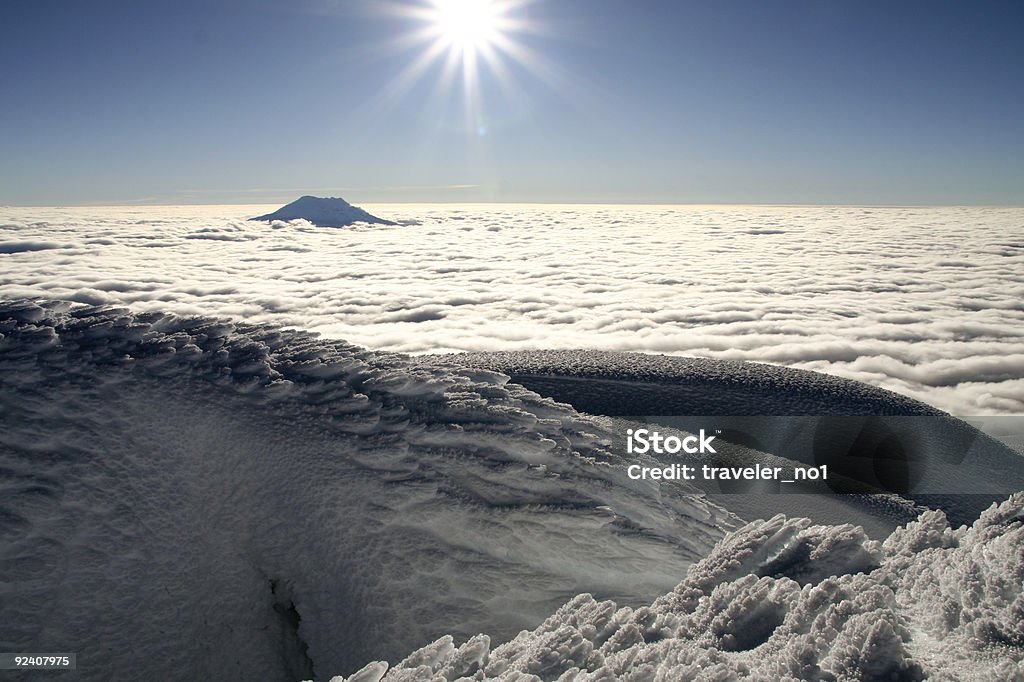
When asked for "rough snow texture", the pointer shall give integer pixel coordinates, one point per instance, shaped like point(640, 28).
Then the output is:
point(188, 498)
point(688, 386)
point(784, 600)
point(938, 461)
point(323, 212)
point(923, 301)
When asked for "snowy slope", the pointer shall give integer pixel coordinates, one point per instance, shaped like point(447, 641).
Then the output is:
point(323, 212)
point(187, 498)
point(886, 441)
point(638, 383)
point(784, 600)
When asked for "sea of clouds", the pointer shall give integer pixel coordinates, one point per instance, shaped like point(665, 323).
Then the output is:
point(928, 302)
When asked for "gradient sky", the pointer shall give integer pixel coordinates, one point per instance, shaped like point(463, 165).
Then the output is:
point(617, 101)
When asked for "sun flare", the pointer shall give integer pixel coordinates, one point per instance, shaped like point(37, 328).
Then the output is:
point(468, 32)
point(470, 45)
point(467, 25)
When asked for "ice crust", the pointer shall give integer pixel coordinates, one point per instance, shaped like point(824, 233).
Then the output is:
point(323, 212)
point(195, 498)
point(630, 385)
point(785, 600)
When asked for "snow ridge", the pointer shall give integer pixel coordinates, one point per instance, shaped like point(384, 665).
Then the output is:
point(691, 385)
point(783, 600)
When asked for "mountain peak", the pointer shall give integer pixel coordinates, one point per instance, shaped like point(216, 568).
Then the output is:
point(323, 212)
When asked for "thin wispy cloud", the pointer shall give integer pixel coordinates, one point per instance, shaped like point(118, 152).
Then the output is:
point(275, 194)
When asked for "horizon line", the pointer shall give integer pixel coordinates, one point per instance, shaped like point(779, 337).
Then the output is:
point(592, 202)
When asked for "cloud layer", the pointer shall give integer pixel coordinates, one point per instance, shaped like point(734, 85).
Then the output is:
point(928, 302)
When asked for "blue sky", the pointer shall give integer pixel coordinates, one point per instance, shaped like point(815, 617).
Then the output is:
point(690, 102)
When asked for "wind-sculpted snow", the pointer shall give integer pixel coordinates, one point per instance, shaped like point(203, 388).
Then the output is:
point(785, 600)
point(926, 302)
point(635, 383)
point(881, 441)
point(190, 498)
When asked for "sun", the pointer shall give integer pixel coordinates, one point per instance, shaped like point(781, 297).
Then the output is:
point(468, 25)
point(473, 43)
point(466, 32)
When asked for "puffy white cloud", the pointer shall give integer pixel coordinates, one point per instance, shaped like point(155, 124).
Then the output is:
point(925, 301)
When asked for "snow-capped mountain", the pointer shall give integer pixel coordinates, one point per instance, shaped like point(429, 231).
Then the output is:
point(323, 212)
